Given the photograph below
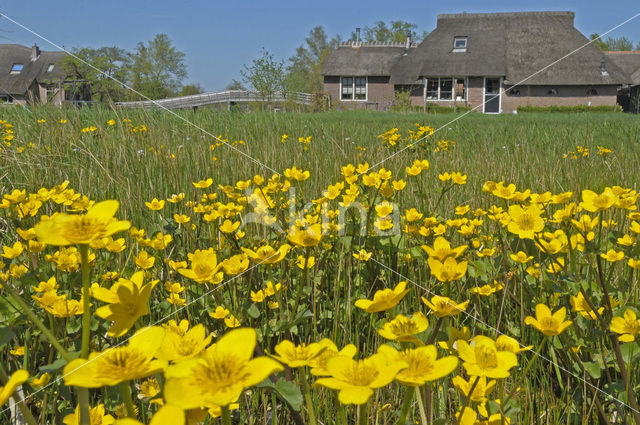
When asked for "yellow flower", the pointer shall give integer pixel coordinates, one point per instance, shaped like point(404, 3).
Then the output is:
point(356, 379)
point(220, 313)
point(231, 321)
point(547, 323)
point(17, 378)
point(166, 415)
point(128, 301)
point(403, 328)
point(525, 221)
point(441, 250)
point(180, 343)
point(229, 227)
point(12, 251)
point(220, 375)
point(362, 255)
point(521, 257)
point(594, 202)
point(318, 363)
point(627, 326)
point(155, 204)
point(67, 229)
point(384, 299)
point(612, 256)
point(488, 289)
point(303, 262)
point(96, 416)
point(118, 364)
point(447, 271)
point(634, 263)
point(236, 264)
point(579, 304)
point(481, 390)
point(484, 359)
point(308, 237)
point(43, 380)
point(297, 355)
point(203, 184)
point(18, 350)
point(267, 254)
point(294, 173)
point(444, 306)
point(423, 364)
point(204, 267)
point(506, 343)
point(144, 260)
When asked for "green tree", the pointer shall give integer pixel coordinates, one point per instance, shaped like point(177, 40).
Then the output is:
point(305, 67)
point(394, 31)
point(97, 81)
point(612, 43)
point(190, 89)
point(158, 68)
point(235, 85)
point(265, 75)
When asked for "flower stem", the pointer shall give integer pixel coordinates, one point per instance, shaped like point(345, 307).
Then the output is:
point(423, 414)
point(526, 370)
point(36, 321)
point(408, 397)
point(83, 401)
point(364, 414)
point(467, 399)
point(307, 399)
point(86, 314)
point(226, 415)
point(125, 393)
point(302, 282)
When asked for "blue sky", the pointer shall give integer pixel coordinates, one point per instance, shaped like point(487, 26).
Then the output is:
point(219, 37)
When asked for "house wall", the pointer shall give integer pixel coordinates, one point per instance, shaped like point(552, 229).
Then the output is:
point(380, 94)
point(567, 96)
point(56, 100)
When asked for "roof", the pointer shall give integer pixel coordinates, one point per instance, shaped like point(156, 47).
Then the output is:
point(514, 45)
point(629, 62)
point(18, 84)
point(363, 59)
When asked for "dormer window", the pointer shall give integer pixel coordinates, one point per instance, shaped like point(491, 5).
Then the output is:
point(17, 68)
point(50, 67)
point(459, 44)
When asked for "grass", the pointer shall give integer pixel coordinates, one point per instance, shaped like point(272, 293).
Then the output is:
point(134, 164)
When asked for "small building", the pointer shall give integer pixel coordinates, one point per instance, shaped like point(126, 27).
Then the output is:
point(629, 95)
point(29, 75)
point(495, 62)
point(357, 74)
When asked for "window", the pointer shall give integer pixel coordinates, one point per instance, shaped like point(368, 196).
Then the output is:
point(552, 92)
point(446, 89)
point(459, 44)
point(353, 88)
point(513, 92)
point(50, 67)
point(16, 68)
point(592, 92)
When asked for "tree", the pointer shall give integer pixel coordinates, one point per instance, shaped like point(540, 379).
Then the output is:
point(395, 31)
point(158, 68)
point(612, 43)
point(305, 67)
point(191, 89)
point(265, 75)
point(235, 85)
point(88, 82)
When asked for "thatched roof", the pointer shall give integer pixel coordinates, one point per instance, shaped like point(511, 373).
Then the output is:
point(513, 45)
point(629, 62)
point(18, 83)
point(363, 59)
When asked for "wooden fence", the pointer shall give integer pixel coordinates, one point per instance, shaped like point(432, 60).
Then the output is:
point(228, 97)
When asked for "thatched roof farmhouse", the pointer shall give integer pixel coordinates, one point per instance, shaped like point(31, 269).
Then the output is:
point(28, 74)
point(494, 62)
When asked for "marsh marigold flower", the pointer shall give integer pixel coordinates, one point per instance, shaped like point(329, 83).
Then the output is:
point(96, 416)
point(442, 250)
point(628, 326)
point(484, 358)
point(204, 267)
point(318, 363)
point(447, 271)
point(383, 299)
point(423, 364)
point(308, 237)
point(444, 306)
point(356, 379)
point(525, 221)
point(594, 202)
point(220, 375)
point(403, 328)
point(547, 323)
point(266, 254)
point(181, 343)
point(69, 229)
point(118, 364)
point(17, 378)
point(297, 355)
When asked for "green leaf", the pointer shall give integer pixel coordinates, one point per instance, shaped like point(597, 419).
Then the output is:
point(253, 311)
point(58, 363)
point(6, 335)
point(290, 392)
point(630, 352)
point(593, 369)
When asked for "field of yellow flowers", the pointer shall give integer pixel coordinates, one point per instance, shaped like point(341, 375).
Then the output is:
point(318, 269)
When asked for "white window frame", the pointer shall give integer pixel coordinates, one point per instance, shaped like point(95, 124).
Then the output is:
point(453, 89)
point(353, 89)
point(461, 49)
point(50, 67)
point(484, 89)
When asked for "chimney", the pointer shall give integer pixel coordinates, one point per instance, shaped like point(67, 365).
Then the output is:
point(407, 46)
point(35, 52)
point(357, 35)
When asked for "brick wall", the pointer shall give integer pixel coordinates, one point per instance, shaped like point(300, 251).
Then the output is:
point(566, 96)
point(380, 94)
